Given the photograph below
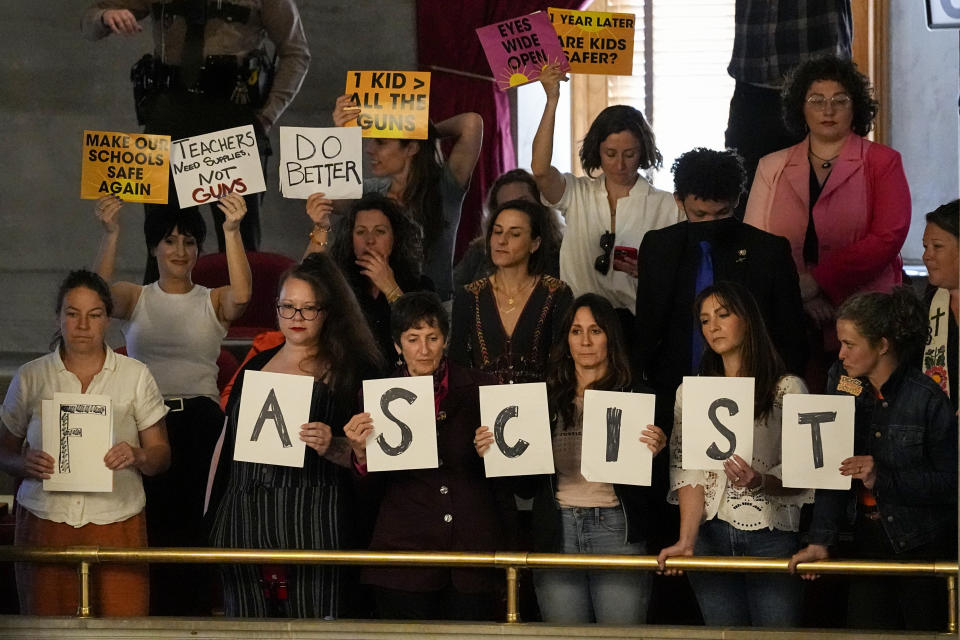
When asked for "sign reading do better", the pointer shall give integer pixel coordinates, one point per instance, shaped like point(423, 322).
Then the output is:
point(327, 160)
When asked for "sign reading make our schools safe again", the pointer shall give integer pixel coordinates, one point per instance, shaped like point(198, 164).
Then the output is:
point(133, 166)
point(393, 104)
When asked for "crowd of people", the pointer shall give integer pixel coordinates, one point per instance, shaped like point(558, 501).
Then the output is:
point(594, 282)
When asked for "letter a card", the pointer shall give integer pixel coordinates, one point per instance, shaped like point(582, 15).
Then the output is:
point(77, 432)
point(517, 414)
point(404, 423)
point(273, 406)
point(611, 450)
point(717, 421)
point(817, 436)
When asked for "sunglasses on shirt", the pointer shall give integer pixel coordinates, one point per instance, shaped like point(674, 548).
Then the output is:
point(602, 263)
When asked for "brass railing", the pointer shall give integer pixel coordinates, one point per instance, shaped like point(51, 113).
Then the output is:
point(510, 562)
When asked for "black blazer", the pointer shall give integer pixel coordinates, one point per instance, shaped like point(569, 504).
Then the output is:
point(667, 263)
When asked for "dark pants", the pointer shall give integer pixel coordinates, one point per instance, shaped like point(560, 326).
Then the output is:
point(182, 115)
point(445, 604)
point(175, 509)
point(755, 128)
point(882, 602)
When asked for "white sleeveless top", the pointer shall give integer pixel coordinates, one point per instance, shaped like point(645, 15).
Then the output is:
point(177, 335)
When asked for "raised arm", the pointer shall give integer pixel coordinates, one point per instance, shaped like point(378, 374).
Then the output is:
point(549, 179)
point(467, 131)
point(231, 300)
point(125, 294)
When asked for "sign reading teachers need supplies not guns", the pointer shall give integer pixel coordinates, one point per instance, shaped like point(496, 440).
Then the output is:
point(393, 104)
point(596, 42)
point(517, 49)
point(133, 166)
point(209, 166)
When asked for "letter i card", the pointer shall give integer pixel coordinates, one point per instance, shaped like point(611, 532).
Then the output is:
point(612, 424)
point(404, 423)
point(517, 414)
point(717, 421)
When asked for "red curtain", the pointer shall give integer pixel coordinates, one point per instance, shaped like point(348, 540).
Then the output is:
point(446, 38)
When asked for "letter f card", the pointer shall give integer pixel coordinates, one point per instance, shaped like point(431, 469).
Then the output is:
point(404, 423)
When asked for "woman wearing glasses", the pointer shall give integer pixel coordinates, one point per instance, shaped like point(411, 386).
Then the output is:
point(262, 506)
point(842, 201)
point(175, 327)
point(606, 215)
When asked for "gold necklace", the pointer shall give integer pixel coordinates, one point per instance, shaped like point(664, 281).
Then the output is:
point(499, 291)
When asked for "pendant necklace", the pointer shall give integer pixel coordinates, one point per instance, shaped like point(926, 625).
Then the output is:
point(826, 163)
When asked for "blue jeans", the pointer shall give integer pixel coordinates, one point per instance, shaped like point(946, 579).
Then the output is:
point(746, 599)
point(610, 597)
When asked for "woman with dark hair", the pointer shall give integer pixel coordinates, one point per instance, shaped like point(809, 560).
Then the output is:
point(606, 216)
point(262, 506)
point(841, 200)
point(175, 327)
point(516, 184)
point(82, 363)
point(570, 513)
point(378, 248)
point(506, 323)
point(450, 508)
point(745, 510)
point(415, 174)
point(902, 504)
point(941, 256)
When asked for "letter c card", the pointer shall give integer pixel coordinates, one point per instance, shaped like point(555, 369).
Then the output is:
point(404, 423)
point(518, 416)
point(717, 421)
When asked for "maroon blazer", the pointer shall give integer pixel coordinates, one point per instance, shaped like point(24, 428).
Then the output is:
point(451, 508)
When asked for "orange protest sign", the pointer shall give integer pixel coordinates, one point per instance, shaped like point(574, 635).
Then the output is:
point(134, 166)
point(393, 104)
point(596, 42)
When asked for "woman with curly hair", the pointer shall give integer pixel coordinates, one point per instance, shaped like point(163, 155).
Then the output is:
point(378, 248)
point(902, 504)
point(841, 200)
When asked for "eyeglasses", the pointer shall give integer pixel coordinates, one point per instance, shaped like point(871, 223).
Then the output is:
point(289, 312)
point(602, 263)
point(818, 102)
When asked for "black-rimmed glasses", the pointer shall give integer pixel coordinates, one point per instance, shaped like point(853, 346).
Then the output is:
point(289, 312)
point(602, 263)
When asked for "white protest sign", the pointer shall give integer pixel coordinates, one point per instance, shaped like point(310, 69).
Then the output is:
point(404, 423)
point(717, 421)
point(518, 416)
point(611, 450)
point(817, 436)
point(207, 167)
point(326, 160)
point(77, 433)
point(273, 406)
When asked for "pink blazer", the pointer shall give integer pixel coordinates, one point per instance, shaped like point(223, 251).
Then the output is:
point(862, 215)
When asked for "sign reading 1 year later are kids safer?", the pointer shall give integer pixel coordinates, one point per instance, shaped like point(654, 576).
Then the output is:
point(517, 49)
point(518, 416)
point(596, 42)
point(817, 436)
point(273, 406)
point(132, 166)
point(326, 160)
point(717, 421)
point(209, 166)
point(393, 104)
point(612, 424)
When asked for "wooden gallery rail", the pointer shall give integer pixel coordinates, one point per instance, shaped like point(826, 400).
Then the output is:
point(510, 562)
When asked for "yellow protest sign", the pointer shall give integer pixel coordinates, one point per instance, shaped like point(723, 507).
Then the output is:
point(596, 42)
point(134, 166)
point(393, 104)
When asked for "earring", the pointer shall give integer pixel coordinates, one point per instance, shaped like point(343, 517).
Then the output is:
point(399, 360)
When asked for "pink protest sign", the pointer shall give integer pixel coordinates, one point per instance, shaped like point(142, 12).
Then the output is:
point(517, 49)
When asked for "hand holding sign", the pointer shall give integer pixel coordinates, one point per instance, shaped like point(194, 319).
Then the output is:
point(862, 468)
point(345, 110)
point(234, 208)
point(317, 436)
point(358, 430)
point(108, 213)
point(550, 77)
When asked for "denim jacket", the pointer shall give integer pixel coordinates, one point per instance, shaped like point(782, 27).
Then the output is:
point(912, 435)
